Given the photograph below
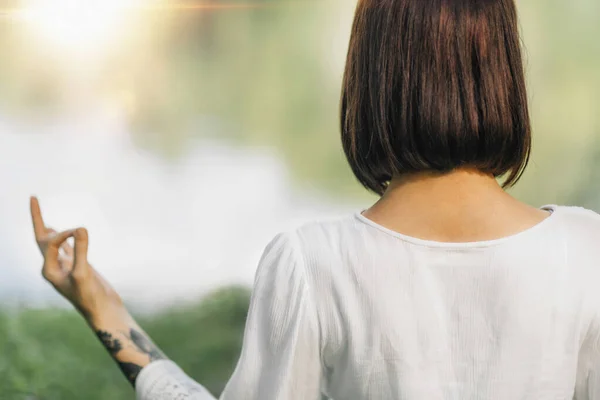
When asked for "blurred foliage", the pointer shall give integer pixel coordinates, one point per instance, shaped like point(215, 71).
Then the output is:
point(263, 72)
point(271, 76)
point(562, 62)
point(53, 355)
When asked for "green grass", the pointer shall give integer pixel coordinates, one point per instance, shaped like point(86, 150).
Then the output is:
point(53, 355)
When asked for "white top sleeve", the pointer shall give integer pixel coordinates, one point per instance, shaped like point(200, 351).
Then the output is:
point(281, 351)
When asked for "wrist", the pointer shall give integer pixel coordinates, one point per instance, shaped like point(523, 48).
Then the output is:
point(109, 317)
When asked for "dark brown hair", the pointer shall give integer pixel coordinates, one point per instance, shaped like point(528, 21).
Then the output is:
point(434, 85)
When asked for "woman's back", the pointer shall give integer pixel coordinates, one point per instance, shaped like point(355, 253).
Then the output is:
point(405, 318)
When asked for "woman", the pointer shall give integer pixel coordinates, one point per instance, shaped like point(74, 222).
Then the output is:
point(447, 287)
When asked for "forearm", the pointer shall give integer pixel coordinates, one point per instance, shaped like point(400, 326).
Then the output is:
point(68, 270)
point(130, 347)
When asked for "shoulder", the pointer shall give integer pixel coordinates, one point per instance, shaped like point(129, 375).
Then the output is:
point(326, 235)
point(582, 232)
point(579, 214)
point(579, 223)
point(314, 239)
point(579, 232)
point(316, 246)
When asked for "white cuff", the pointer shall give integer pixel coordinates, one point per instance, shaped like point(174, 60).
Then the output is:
point(164, 380)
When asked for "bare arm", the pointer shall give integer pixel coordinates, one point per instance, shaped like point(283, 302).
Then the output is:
point(292, 371)
point(129, 346)
point(68, 270)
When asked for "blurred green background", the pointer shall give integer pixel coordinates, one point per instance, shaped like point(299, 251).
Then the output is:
point(270, 72)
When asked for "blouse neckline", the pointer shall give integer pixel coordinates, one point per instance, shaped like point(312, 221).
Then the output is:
point(553, 209)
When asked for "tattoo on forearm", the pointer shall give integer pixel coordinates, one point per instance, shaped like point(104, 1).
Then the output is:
point(139, 342)
point(145, 346)
point(112, 345)
point(130, 370)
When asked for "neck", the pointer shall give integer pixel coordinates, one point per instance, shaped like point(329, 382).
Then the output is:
point(460, 205)
point(460, 187)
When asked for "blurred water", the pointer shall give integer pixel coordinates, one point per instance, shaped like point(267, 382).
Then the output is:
point(161, 232)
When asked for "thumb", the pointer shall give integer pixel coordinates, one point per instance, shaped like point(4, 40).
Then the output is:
point(81, 247)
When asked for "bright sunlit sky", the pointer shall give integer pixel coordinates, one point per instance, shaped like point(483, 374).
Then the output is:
point(78, 26)
point(91, 26)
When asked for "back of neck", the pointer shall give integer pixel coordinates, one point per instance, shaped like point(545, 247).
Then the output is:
point(464, 205)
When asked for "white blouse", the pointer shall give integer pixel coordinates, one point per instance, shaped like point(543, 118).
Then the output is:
point(349, 310)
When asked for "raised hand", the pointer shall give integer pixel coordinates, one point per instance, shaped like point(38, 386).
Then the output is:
point(68, 270)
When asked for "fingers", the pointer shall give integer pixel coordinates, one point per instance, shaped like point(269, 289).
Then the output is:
point(57, 241)
point(54, 243)
point(67, 249)
point(81, 268)
point(36, 216)
point(81, 247)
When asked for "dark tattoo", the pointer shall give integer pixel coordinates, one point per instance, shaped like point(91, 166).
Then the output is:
point(130, 370)
point(112, 345)
point(139, 341)
point(145, 345)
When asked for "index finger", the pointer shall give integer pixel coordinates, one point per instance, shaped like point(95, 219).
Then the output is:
point(36, 216)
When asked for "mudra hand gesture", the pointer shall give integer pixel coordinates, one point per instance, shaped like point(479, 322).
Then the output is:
point(67, 268)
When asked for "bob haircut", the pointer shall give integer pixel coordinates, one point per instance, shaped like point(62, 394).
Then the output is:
point(434, 85)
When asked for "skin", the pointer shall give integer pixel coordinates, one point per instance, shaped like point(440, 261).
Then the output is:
point(68, 270)
point(462, 206)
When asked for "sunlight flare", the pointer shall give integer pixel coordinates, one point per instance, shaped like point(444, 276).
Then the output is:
point(75, 24)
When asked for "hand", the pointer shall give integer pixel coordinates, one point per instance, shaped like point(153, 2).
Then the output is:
point(68, 270)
